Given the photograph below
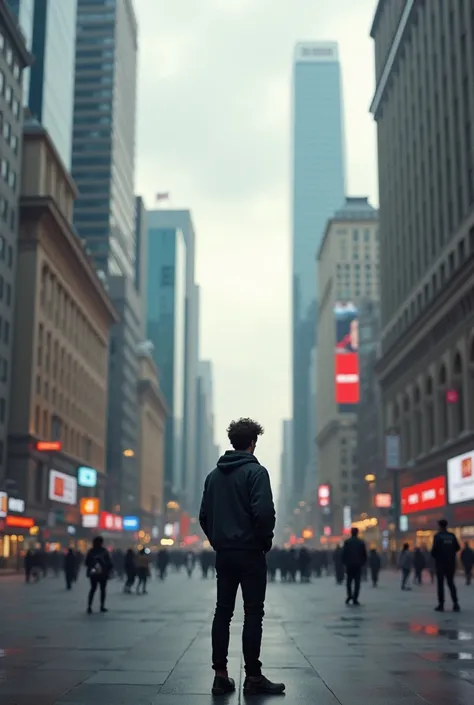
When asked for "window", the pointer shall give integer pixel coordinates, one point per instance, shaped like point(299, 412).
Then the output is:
point(14, 144)
point(9, 55)
point(2, 410)
point(2, 81)
point(16, 107)
point(2, 41)
point(16, 71)
point(355, 235)
point(366, 235)
point(10, 257)
point(4, 371)
point(9, 294)
point(167, 276)
point(8, 94)
point(4, 168)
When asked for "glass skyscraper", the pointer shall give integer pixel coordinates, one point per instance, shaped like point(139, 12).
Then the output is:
point(318, 189)
point(50, 31)
point(103, 161)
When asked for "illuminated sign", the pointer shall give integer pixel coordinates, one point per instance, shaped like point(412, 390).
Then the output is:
point(16, 505)
point(131, 523)
point(168, 530)
point(49, 446)
point(383, 501)
point(3, 504)
point(324, 495)
point(452, 396)
point(346, 356)
point(62, 487)
point(424, 496)
point(89, 505)
point(87, 477)
point(347, 518)
point(19, 522)
point(90, 521)
point(461, 478)
point(110, 522)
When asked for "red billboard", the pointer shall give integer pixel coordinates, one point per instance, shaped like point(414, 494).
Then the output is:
point(110, 522)
point(424, 496)
point(346, 356)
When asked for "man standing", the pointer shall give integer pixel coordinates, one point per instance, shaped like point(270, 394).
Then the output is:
point(445, 548)
point(354, 557)
point(238, 517)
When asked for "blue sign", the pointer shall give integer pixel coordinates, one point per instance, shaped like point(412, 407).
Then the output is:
point(131, 523)
point(87, 477)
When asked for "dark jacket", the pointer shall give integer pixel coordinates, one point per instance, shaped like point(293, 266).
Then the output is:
point(445, 547)
point(99, 563)
point(467, 558)
point(237, 510)
point(354, 553)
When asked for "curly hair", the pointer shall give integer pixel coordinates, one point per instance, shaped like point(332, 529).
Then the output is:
point(243, 432)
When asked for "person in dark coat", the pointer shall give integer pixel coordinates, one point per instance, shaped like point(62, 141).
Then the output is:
point(162, 562)
point(305, 565)
point(354, 557)
point(445, 548)
point(70, 568)
point(467, 560)
point(419, 564)
point(338, 565)
point(130, 567)
point(374, 564)
point(28, 563)
point(99, 569)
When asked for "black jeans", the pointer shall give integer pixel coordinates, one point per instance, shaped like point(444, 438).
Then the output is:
point(249, 570)
point(468, 572)
point(353, 575)
point(405, 576)
point(102, 584)
point(443, 573)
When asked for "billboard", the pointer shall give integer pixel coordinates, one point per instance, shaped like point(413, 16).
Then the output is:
point(324, 495)
point(461, 478)
point(62, 487)
point(424, 496)
point(346, 356)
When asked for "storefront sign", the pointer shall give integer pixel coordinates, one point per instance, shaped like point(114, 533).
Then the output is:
point(62, 487)
point(324, 495)
point(452, 396)
point(131, 523)
point(347, 518)
point(3, 504)
point(392, 451)
point(424, 496)
point(403, 523)
point(461, 478)
point(19, 522)
point(15, 505)
point(383, 501)
point(90, 521)
point(49, 446)
point(110, 522)
point(87, 477)
point(89, 505)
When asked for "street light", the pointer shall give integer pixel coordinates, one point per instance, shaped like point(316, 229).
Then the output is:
point(370, 477)
point(129, 453)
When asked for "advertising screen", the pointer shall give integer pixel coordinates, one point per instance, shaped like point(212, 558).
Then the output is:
point(87, 477)
point(461, 478)
point(424, 496)
point(62, 487)
point(324, 495)
point(346, 356)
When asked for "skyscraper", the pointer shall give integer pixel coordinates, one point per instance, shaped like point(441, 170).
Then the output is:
point(50, 31)
point(103, 162)
point(318, 189)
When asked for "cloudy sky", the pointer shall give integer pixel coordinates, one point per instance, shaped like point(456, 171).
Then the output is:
point(214, 129)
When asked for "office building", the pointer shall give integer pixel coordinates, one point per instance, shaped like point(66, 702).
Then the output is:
point(348, 274)
point(284, 493)
point(14, 58)
point(103, 163)
point(317, 190)
point(423, 107)
point(205, 446)
point(141, 260)
point(166, 329)
point(50, 31)
point(123, 427)
point(61, 343)
point(151, 450)
point(174, 221)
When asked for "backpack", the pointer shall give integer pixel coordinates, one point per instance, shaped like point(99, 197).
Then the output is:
point(98, 569)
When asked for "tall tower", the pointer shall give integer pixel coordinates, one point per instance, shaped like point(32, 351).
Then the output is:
point(103, 162)
point(317, 191)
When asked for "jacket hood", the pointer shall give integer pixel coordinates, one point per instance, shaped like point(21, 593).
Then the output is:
point(235, 459)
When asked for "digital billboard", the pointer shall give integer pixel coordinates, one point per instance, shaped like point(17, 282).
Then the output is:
point(424, 496)
point(346, 356)
point(461, 478)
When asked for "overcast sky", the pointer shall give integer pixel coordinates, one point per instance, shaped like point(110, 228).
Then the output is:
point(214, 130)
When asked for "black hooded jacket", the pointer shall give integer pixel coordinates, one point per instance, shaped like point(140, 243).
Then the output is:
point(237, 510)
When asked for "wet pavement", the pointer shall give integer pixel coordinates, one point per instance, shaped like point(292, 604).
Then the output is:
point(154, 650)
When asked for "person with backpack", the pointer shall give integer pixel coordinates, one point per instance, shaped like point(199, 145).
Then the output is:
point(444, 551)
point(99, 569)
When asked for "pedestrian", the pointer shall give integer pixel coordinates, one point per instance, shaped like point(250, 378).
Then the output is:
point(419, 564)
point(70, 568)
point(162, 560)
point(467, 560)
point(405, 564)
point(374, 564)
point(338, 565)
point(190, 563)
point(445, 548)
point(143, 569)
point(28, 564)
point(238, 517)
point(130, 568)
point(354, 558)
point(99, 570)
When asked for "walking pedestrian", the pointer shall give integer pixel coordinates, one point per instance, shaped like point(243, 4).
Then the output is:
point(130, 567)
point(143, 569)
point(419, 564)
point(99, 570)
point(238, 517)
point(375, 564)
point(405, 563)
point(162, 561)
point(445, 548)
point(467, 560)
point(338, 565)
point(70, 568)
point(354, 557)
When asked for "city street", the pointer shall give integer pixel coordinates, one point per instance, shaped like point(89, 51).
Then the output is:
point(154, 650)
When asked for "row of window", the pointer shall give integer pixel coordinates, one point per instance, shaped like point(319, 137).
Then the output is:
point(358, 235)
point(8, 173)
point(8, 215)
point(5, 291)
point(7, 91)
point(74, 441)
point(6, 49)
